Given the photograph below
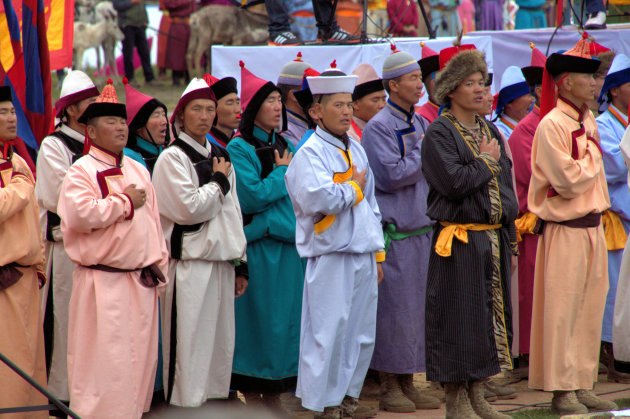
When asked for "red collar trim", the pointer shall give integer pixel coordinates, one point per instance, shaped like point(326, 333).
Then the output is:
point(571, 105)
point(115, 157)
point(356, 128)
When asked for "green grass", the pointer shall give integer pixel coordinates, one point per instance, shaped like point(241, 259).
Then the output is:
point(545, 412)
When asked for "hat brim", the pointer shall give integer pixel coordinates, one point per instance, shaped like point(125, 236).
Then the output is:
point(429, 65)
point(224, 87)
point(561, 63)
point(5, 94)
point(205, 93)
point(97, 109)
point(364, 89)
point(77, 97)
point(304, 97)
point(613, 80)
point(533, 75)
point(143, 115)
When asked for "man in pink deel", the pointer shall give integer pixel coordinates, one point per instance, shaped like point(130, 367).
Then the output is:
point(111, 230)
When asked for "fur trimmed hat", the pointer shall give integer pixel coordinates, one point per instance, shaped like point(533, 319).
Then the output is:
point(460, 66)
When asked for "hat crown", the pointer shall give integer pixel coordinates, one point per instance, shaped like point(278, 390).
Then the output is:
point(621, 62)
point(538, 58)
point(292, 72)
point(426, 51)
point(581, 49)
point(108, 95)
point(398, 63)
point(365, 73)
point(511, 76)
point(250, 84)
point(74, 82)
point(134, 99)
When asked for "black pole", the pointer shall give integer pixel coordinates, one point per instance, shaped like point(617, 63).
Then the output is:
point(427, 21)
point(364, 35)
point(39, 388)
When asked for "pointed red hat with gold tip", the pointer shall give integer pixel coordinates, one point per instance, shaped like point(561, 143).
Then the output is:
point(576, 60)
point(254, 91)
point(534, 71)
point(447, 54)
point(106, 104)
point(430, 61)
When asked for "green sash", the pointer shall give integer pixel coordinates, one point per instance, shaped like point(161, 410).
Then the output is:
point(390, 233)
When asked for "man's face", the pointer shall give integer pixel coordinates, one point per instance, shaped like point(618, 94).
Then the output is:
point(488, 98)
point(621, 95)
point(269, 115)
point(8, 121)
point(229, 111)
point(157, 126)
point(198, 116)
point(519, 107)
point(582, 86)
point(335, 112)
point(109, 132)
point(469, 95)
point(408, 88)
point(369, 105)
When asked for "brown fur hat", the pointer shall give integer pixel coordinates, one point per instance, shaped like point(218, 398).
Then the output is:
point(606, 59)
point(462, 65)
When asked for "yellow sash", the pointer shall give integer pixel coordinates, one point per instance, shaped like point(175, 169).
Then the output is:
point(525, 225)
point(613, 231)
point(444, 242)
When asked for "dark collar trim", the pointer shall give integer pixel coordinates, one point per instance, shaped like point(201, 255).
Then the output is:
point(296, 116)
point(408, 114)
point(574, 107)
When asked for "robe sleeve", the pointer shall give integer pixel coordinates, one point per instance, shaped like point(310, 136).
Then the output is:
point(15, 196)
point(178, 197)
point(570, 178)
point(447, 173)
point(52, 165)
point(81, 209)
point(614, 165)
point(314, 191)
point(255, 194)
point(391, 171)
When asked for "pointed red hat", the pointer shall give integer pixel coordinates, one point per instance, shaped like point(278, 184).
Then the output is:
point(430, 61)
point(426, 51)
point(595, 49)
point(250, 85)
point(139, 105)
point(534, 71)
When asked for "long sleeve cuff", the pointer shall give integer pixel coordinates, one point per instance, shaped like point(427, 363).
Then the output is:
point(380, 256)
point(491, 162)
point(222, 181)
point(131, 211)
point(358, 191)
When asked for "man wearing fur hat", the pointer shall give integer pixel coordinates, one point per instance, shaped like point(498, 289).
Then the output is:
point(203, 226)
point(367, 100)
point(290, 80)
point(568, 192)
point(392, 140)
point(57, 153)
point(612, 124)
point(21, 271)
point(468, 311)
point(111, 230)
point(338, 230)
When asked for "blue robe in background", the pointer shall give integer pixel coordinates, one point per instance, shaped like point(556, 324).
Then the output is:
point(392, 142)
point(611, 132)
point(339, 231)
point(268, 314)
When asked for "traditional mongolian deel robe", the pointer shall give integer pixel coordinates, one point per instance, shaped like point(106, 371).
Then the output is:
point(468, 307)
point(429, 111)
point(611, 126)
point(530, 14)
point(570, 282)
point(144, 152)
point(521, 146)
point(392, 142)
point(444, 15)
point(216, 136)
point(113, 316)
point(357, 125)
point(339, 231)
point(296, 127)
point(489, 16)
point(202, 224)
point(621, 322)
point(179, 33)
point(57, 153)
point(21, 261)
point(268, 314)
point(506, 125)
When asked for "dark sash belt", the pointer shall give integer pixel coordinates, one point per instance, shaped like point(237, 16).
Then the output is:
point(10, 275)
point(588, 221)
point(150, 277)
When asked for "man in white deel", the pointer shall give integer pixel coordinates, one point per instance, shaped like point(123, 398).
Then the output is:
point(339, 231)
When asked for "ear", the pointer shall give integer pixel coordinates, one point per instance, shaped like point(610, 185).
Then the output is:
point(291, 97)
point(393, 86)
point(91, 131)
point(614, 92)
point(355, 106)
point(318, 110)
point(538, 92)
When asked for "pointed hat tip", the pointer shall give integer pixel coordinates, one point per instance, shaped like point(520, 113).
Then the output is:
point(333, 64)
point(125, 81)
point(241, 64)
point(422, 44)
point(110, 81)
point(532, 45)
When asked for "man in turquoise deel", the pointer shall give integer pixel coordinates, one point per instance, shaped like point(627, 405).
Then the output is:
point(267, 317)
